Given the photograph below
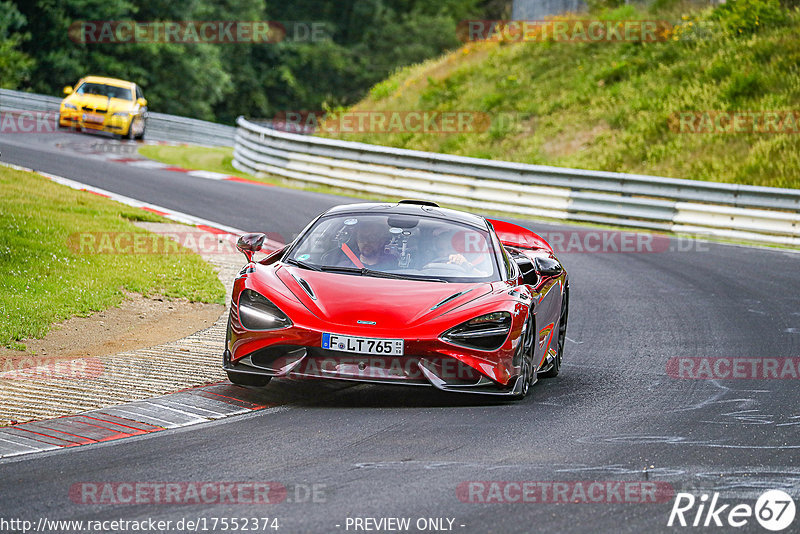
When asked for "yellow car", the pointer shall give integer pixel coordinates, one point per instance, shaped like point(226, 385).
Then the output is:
point(105, 104)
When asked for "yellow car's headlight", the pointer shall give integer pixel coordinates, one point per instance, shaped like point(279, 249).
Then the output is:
point(67, 105)
point(123, 114)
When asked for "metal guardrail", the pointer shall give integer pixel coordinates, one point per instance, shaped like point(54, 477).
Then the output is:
point(160, 126)
point(763, 214)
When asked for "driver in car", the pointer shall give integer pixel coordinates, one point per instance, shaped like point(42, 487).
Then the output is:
point(445, 251)
point(371, 238)
point(443, 245)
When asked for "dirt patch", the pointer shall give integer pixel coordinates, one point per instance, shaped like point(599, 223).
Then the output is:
point(571, 141)
point(138, 322)
point(442, 68)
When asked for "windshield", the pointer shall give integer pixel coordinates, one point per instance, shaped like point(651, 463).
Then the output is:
point(405, 246)
point(102, 89)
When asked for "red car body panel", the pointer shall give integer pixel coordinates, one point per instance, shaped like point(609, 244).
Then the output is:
point(516, 236)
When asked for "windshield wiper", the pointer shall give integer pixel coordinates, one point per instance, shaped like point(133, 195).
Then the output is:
point(304, 265)
point(342, 269)
point(378, 274)
point(397, 276)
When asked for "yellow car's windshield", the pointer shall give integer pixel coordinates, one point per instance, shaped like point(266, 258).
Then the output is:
point(101, 89)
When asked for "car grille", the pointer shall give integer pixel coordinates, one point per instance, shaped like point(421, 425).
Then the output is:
point(324, 363)
point(89, 109)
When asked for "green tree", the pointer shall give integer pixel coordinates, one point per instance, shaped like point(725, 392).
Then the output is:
point(365, 41)
point(14, 63)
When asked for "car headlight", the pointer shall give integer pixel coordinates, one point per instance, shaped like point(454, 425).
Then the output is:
point(256, 312)
point(67, 105)
point(121, 114)
point(487, 332)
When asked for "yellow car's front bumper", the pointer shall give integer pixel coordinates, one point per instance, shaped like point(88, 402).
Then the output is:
point(106, 122)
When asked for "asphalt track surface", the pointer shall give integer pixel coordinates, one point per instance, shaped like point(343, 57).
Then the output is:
point(614, 414)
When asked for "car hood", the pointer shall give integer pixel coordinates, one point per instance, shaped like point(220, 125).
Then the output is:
point(101, 102)
point(347, 299)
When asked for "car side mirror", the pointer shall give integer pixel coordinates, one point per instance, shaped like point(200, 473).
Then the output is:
point(526, 267)
point(142, 102)
point(249, 244)
point(68, 90)
point(548, 266)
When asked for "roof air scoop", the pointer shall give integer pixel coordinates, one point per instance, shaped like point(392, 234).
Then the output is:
point(419, 202)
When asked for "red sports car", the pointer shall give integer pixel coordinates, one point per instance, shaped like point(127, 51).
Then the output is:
point(407, 293)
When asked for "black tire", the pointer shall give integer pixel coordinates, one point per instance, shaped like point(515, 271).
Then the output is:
point(562, 337)
point(144, 130)
point(527, 359)
point(247, 379)
point(130, 135)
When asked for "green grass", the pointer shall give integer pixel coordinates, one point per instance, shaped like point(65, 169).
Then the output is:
point(218, 159)
point(215, 159)
point(43, 280)
point(609, 106)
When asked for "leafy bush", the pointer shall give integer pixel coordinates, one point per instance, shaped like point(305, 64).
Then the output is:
point(750, 16)
point(743, 86)
point(601, 5)
point(383, 89)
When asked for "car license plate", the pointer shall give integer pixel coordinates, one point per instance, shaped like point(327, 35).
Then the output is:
point(362, 345)
point(93, 117)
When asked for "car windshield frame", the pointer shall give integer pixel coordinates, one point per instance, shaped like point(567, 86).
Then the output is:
point(330, 231)
point(117, 90)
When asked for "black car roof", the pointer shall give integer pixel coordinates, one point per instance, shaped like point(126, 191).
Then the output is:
point(410, 209)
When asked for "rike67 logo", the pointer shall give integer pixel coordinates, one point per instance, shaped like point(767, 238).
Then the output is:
point(774, 510)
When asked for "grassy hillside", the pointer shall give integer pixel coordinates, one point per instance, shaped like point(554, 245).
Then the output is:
point(613, 106)
point(45, 279)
